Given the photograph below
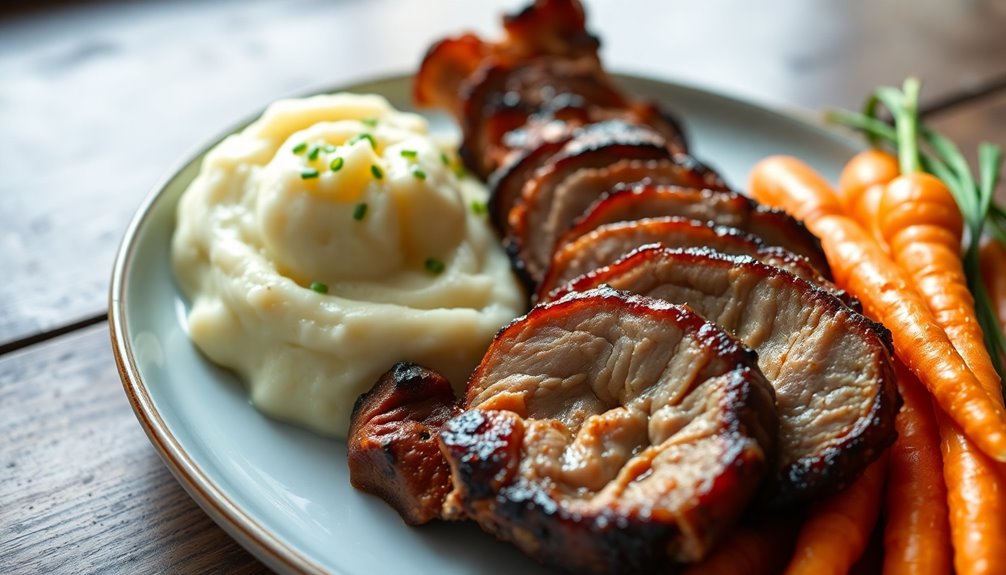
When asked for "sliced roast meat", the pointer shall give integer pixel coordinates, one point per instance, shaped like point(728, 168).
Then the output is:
point(444, 67)
point(393, 449)
point(773, 227)
point(552, 27)
point(542, 86)
point(609, 242)
point(607, 433)
point(830, 366)
point(506, 182)
point(544, 140)
point(544, 28)
point(558, 192)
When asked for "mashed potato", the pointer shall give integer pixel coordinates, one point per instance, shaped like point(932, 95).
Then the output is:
point(328, 240)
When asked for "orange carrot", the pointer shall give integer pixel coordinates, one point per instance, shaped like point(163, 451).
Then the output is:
point(751, 550)
point(862, 269)
point(917, 531)
point(837, 531)
point(993, 262)
point(922, 225)
point(861, 184)
point(866, 169)
point(919, 220)
point(977, 502)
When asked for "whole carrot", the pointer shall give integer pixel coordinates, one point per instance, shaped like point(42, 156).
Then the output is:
point(922, 225)
point(977, 501)
point(917, 529)
point(837, 531)
point(751, 550)
point(862, 268)
point(862, 182)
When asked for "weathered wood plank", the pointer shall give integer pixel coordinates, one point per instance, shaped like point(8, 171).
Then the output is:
point(81, 488)
point(98, 100)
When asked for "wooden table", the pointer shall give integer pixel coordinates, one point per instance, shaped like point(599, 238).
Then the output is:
point(98, 100)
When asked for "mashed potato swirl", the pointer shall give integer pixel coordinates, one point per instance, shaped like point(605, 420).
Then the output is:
point(328, 240)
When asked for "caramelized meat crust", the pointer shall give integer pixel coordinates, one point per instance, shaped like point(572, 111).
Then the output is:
point(393, 450)
point(714, 205)
point(830, 366)
point(609, 242)
point(608, 433)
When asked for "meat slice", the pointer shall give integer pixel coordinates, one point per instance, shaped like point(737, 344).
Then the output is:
point(544, 28)
point(608, 433)
point(572, 179)
point(609, 242)
point(830, 366)
point(551, 87)
point(393, 449)
point(507, 181)
point(773, 227)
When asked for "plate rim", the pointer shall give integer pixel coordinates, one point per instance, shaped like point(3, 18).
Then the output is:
point(211, 498)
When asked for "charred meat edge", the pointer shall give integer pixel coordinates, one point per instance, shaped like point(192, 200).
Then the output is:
point(609, 242)
point(393, 451)
point(485, 447)
point(594, 149)
point(843, 459)
point(546, 27)
point(717, 206)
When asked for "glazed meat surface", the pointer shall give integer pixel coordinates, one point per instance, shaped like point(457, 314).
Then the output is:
point(393, 450)
point(829, 365)
point(609, 433)
point(773, 227)
point(609, 242)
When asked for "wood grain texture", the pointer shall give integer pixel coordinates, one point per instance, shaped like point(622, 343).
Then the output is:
point(81, 488)
point(99, 100)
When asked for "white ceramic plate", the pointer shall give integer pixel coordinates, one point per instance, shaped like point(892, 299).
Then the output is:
point(284, 493)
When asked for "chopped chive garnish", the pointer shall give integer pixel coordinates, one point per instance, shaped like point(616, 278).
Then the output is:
point(418, 173)
point(357, 138)
point(460, 172)
point(329, 148)
point(308, 174)
point(359, 211)
point(370, 122)
point(376, 171)
point(409, 154)
point(479, 208)
point(312, 154)
point(445, 159)
point(336, 164)
point(319, 287)
point(434, 266)
point(299, 148)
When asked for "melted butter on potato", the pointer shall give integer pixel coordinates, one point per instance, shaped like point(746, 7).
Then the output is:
point(346, 194)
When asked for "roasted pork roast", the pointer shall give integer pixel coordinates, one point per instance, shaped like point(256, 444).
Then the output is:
point(830, 366)
point(609, 433)
point(609, 242)
point(771, 226)
point(393, 450)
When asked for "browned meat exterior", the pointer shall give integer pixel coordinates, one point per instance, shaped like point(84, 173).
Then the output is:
point(608, 433)
point(546, 69)
point(393, 449)
point(545, 28)
point(498, 98)
point(829, 365)
point(609, 242)
point(773, 227)
point(542, 141)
